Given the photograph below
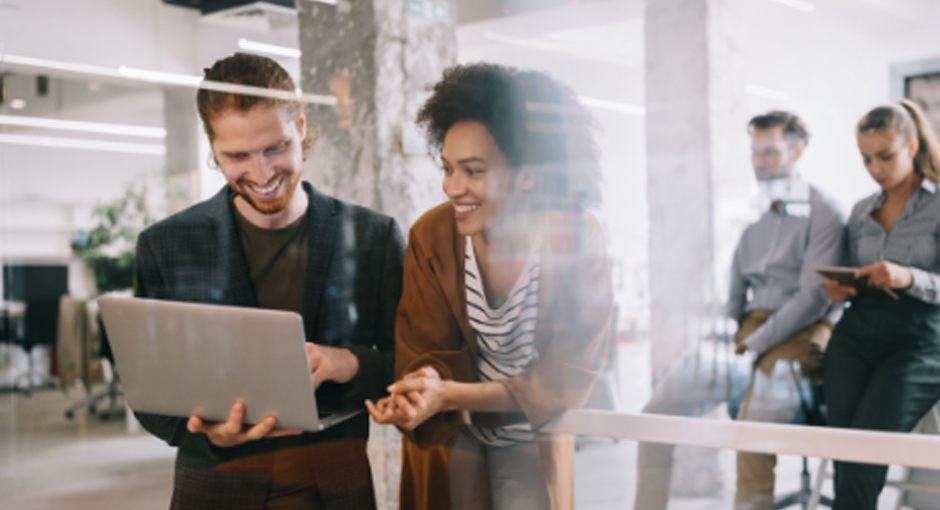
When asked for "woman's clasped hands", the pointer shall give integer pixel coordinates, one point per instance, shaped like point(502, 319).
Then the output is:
point(413, 399)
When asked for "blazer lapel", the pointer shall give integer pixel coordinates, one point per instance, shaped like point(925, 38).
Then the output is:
point(231, 264)
point(322, 218)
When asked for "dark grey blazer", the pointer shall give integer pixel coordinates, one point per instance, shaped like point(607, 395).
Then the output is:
point(352, 291)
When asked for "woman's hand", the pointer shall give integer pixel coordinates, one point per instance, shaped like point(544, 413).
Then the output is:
point(838, 293)
point(887, 275)
point(412, 400)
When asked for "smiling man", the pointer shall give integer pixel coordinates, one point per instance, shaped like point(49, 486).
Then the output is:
point(270, 240)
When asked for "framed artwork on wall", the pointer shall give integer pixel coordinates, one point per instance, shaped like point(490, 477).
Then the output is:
point(919, 81)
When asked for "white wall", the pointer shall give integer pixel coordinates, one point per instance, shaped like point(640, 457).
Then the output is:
point(831, 66)
point(46, 193)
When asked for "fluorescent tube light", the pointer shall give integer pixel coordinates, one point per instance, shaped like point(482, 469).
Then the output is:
point(765, 92)
point(59, 65)
point(800, 5)
point(175, 79)
point(88, 127)
point(83, 143)
point(185, 80)
point(613, 106)
point(272, 49)
point(540, 44)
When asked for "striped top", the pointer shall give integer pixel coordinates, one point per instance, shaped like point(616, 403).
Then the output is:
point(505, 337)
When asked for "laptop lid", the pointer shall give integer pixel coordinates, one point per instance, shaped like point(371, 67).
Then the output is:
point(178, 358)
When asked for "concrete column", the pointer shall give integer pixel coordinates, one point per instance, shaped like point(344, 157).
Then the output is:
point(378, 58)
point(695, 102)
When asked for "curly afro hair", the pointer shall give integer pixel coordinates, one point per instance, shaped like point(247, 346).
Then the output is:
point(536, 121)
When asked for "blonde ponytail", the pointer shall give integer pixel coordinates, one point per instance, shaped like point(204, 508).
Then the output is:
point(907, 120)
point(927, 159)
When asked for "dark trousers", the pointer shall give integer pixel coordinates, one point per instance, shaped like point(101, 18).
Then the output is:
point(881, 371)
point(329, 475)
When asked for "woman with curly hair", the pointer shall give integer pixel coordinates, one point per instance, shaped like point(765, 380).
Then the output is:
point(506, 308)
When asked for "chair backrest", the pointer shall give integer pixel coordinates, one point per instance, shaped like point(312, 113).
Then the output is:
point(40, 321)
point(39, 287)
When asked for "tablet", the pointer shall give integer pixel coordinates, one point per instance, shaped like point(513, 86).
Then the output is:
point(846, 276)
point(179, 359)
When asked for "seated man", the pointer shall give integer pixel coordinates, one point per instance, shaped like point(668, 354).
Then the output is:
point(776, 296)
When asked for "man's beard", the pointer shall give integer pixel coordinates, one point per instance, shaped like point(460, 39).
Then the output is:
point(274, 206)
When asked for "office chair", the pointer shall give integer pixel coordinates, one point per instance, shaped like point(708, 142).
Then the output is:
point(39, 328)
point(11, 337)
point(812, 414)
point(38, 287)
point(112, 392)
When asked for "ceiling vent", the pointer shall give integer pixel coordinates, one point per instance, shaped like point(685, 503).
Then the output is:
point(260, 16)
point(263, 15)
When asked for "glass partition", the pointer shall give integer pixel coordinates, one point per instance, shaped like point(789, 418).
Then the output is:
point(673, 172)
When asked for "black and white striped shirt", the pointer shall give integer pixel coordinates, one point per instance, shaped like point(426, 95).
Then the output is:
point(505, 336)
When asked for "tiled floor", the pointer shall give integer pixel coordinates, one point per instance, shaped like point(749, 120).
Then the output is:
point(49, 462)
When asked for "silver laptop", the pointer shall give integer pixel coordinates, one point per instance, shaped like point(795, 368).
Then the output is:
point(180, 358)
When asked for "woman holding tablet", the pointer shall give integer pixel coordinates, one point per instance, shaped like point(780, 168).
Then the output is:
point(882, 367)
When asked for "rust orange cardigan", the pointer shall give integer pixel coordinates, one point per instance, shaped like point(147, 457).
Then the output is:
point(571, 336)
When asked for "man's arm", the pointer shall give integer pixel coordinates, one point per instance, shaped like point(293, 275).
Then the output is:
point(737, 290)
point(826, 247)
point(376, 362)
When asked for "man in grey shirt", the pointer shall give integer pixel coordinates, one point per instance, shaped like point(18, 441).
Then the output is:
point(783, 313)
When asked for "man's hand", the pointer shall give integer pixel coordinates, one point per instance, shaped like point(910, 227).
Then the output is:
point(887, 275)
point(233, 432)
point(740, 347)
point(331, 364)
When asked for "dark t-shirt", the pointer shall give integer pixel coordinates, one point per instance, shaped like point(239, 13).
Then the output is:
point(277, 262)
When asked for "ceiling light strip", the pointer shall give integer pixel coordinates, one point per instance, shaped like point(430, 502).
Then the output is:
point(84, 144)
point(59, 65)
point(271, 49)
point(165, 78)
point(766, 92)
point(539, 44)
point(87, 127)
point(800, 5)
point(613, 106)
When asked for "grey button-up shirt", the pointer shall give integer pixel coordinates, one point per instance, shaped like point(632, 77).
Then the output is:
point(913, 241)
point(775, 268)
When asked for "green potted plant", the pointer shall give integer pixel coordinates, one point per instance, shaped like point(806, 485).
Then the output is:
point(108, 247)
